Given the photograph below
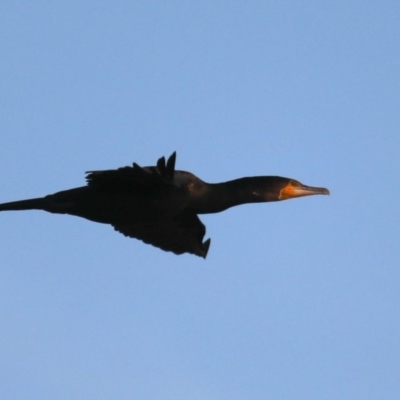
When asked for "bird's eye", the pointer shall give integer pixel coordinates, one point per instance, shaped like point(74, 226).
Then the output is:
point(295, 183)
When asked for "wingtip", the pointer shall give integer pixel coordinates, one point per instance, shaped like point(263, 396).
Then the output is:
point(171, 162)
point(206, 246)
point(161, 163)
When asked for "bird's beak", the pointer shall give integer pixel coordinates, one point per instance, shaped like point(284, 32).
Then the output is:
point(296, 189)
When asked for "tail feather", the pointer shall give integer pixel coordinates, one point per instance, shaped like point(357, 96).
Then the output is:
point(30, 204)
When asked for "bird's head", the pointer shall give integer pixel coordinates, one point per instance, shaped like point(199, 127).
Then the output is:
point(275, 188)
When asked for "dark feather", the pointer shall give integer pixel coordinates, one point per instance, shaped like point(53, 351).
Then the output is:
point(135, 177)
point(182, 234)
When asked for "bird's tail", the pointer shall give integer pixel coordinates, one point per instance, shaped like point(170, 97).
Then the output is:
point(31, 204)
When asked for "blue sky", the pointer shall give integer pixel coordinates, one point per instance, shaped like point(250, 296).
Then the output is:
point(297, 299)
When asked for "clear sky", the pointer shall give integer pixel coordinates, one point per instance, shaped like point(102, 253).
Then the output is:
point(296, 300)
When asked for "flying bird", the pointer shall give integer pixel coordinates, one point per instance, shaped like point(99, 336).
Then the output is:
point(160, 205)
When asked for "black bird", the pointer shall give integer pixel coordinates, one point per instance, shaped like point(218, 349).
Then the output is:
point(159, 205)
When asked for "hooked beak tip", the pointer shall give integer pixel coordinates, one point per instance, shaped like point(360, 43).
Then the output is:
point(290, 191)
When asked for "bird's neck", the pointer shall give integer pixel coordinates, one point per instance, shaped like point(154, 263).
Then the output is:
point(218, 197)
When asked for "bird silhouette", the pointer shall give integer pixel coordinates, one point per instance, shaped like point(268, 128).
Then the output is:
point(160, 205)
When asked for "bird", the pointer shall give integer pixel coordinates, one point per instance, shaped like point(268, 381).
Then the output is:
point(159, 205)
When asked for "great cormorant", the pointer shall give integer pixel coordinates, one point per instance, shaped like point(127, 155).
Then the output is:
point(160, 205)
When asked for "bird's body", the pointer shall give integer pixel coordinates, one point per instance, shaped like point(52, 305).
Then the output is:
point(159, 205)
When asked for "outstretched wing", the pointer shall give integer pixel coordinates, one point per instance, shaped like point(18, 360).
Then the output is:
point(135, 177)
point(182, 234)
point(178, 233)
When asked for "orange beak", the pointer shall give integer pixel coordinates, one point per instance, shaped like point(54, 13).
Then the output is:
point(296, 189)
